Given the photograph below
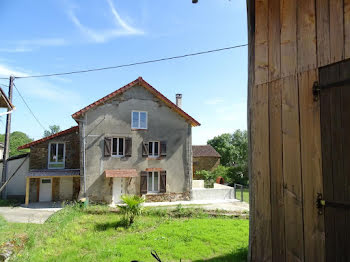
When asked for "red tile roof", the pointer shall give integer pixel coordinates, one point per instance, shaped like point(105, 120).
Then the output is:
point(138, 82)
point(64, 132)
point(206, 150)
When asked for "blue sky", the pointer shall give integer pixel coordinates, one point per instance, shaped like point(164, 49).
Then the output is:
point(41, 37)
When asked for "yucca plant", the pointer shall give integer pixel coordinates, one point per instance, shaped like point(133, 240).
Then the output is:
point(132, 207)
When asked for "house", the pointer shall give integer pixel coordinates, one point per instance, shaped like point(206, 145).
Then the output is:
point(205, 157)
point(132, 141)
point(298, 119)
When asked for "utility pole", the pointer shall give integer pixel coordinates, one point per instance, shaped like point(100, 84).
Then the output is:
point(7, 140)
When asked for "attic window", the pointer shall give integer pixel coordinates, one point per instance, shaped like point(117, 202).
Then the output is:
point(139, 120)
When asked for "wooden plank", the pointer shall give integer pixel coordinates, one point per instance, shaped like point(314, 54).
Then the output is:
point(336, 31)
point(261, 42)
point(277, 200)
point(260, 173)
point(306, 26)
point(292, 171)
point(274, 40)
point(323, 44)
point(288, 37)
point(338, 172)
point(310, 136)
point(347, 28)
point(346, 165)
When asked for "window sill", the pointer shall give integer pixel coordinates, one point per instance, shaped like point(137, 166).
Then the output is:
point(139, 129)
point(153, 193)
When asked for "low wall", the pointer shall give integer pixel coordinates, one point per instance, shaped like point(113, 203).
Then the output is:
point(197, 183)
point(219, 192)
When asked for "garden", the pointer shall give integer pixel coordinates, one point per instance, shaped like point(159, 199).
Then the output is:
point(102, 233)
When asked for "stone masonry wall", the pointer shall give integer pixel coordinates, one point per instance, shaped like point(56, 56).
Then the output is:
point(167, 197)
point(39, 152)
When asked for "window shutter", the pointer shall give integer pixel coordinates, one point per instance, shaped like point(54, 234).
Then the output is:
point(145, 149)
point(107, 146)
point(128, 146)
point(163, 148)
point(162, 188)
point(143, 184)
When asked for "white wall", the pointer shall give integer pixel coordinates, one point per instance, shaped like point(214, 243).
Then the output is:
point(219, 192)
point(17, 186)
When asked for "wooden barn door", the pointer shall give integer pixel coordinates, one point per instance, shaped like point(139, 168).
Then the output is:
point(335, 134)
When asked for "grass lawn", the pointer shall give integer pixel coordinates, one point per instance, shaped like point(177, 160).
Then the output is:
point(245, 195)
point(96, 234)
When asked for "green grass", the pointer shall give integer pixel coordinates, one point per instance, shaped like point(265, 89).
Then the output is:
point(97, 234)
point(245, 194)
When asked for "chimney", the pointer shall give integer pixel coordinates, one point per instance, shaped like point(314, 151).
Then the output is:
point(179, 100)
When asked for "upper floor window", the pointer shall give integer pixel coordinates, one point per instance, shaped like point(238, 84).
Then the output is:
point(56, 155)
point(139, 120)
point(153, 149)
point(118, 146)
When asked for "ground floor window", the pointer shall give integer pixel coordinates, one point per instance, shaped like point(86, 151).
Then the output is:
point(153, 182)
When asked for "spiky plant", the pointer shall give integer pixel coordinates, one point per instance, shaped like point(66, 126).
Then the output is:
point(132, 207)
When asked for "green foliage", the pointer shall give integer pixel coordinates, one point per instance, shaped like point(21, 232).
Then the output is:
point(53, 130)
point(132, 207)
point(17, 139)
point(234, 155)
point(74, 235)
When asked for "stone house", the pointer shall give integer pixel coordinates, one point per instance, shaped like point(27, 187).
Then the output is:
point(132, 141)
point(205, 157)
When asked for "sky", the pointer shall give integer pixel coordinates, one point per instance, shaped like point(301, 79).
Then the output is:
point(40, 37)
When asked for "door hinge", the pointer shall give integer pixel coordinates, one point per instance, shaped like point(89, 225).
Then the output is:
point(316, 89)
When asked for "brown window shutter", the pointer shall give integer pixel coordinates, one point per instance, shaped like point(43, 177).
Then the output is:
point(143, 184)
point(162, 188)
point(107, 146)
point(128, 146)
point(163, 148)
point(145, 149)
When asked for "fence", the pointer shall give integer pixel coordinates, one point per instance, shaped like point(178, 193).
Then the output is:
point(243, 194)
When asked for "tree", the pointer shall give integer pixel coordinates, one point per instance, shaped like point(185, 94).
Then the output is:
point(53, 130)
point(17, 139)
point(234, 154)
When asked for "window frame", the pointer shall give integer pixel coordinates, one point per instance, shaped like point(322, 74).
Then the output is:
point(153, 191)
point(56, 162)
point(117, 137)
point(153, 147)
point(139, 122)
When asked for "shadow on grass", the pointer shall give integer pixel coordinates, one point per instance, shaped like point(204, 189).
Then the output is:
point(123, 223)
point(239, 255)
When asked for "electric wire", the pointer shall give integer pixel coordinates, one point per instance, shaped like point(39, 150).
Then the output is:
point(132, 64)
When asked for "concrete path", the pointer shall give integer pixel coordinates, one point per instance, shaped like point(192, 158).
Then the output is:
point(232, 205)
point(27, 215)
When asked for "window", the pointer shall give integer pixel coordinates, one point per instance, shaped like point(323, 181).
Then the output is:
point(118, 146)
point(56, 155)
point(153, 182)
point(138, 120)
point(153, 149)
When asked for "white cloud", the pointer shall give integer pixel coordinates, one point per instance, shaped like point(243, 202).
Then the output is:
point(31, 44)
point(6, 71)
point(121, 28)
point(214, 101)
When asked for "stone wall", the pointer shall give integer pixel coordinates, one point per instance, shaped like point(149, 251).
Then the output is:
point(39, 152)
point(205, 163)
point(168, 197)
point(55, 189)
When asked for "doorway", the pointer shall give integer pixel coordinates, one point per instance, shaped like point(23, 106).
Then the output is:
point(45, 191)
point(335, 136)
point(118, 189)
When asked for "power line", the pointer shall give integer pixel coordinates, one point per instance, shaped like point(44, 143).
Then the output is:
point(29, 108)
point(132, 64)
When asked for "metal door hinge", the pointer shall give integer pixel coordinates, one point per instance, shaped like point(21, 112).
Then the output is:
point(316, 89)
point(320, 203)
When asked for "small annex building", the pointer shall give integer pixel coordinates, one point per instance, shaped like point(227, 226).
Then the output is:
point(205, 157)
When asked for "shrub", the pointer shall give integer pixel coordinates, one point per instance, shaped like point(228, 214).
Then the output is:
point(132, 207)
